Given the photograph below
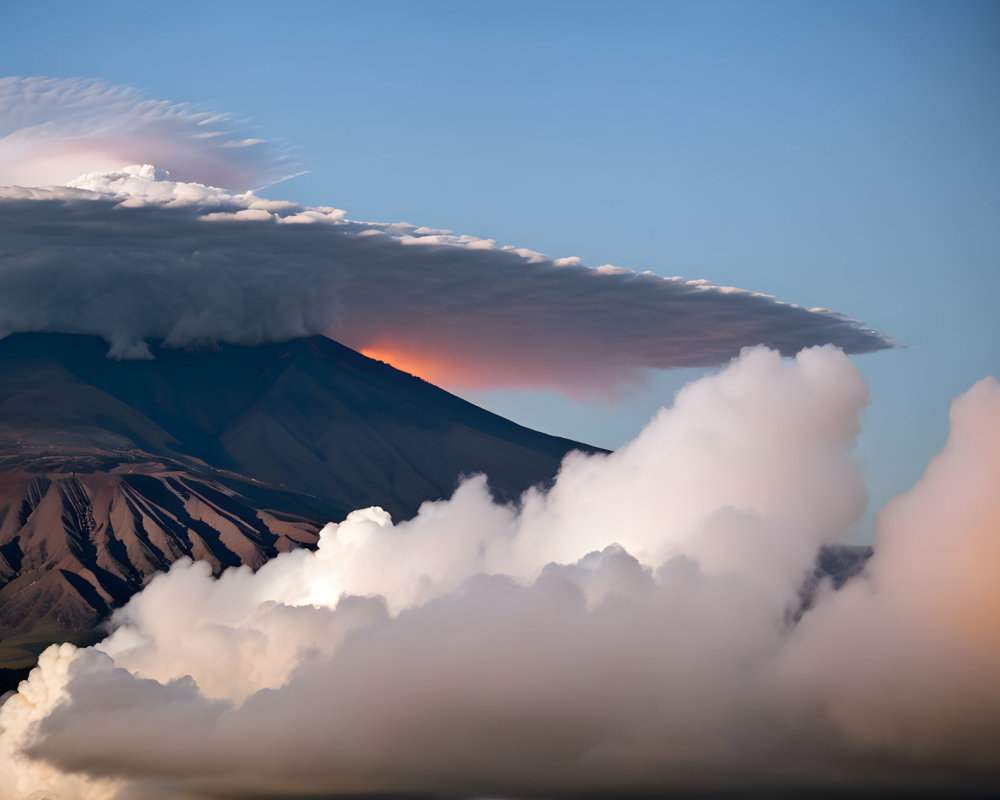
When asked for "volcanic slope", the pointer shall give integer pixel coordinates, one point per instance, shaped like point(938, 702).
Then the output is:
point(110, 470)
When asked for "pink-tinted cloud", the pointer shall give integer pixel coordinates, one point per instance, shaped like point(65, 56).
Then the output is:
point(53, 130)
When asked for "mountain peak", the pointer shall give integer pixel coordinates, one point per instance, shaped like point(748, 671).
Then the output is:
point(110, 470)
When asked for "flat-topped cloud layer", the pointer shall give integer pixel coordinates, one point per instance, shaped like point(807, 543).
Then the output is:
point(134, 253)
point(133, 256)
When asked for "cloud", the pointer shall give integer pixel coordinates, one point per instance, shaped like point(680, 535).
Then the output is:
point(134, 257)
point(53, 130)
point(631, 628)
point(921, 677)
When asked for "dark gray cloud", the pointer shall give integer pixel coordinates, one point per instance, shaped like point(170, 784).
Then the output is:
point(133, 257)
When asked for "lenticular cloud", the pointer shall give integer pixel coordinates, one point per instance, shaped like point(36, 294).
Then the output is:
point(639, 626)
point(134, 256)
point(53, 130)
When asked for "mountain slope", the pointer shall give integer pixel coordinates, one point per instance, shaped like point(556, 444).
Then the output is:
point(309, 414)
point(73, 546)
point(111, 470)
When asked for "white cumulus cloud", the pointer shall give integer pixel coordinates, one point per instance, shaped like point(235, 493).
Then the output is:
point(636, 627)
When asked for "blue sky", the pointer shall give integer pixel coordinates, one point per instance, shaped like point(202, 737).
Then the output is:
point(844, 155)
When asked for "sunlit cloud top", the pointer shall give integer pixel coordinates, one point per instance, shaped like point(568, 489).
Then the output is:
point(52, 130)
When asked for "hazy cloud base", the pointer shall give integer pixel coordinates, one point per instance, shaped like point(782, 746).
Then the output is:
point(132, 256)
point(632, 628)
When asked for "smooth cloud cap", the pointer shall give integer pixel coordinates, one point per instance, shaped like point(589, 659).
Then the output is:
point(134, 257)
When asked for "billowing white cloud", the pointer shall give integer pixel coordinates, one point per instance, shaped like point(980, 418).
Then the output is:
point(920, 677)
point(52, 130)
point(133, 256)
point(634, 627)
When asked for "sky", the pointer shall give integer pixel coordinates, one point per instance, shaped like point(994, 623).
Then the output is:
point(841, 155)
point(642, 622)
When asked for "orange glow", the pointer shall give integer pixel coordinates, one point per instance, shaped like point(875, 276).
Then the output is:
point(454, 370)
point(431, 369)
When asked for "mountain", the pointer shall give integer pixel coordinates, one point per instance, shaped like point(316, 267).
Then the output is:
point(110, 470)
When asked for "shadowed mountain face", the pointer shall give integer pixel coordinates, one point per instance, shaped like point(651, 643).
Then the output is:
point(111, 470)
